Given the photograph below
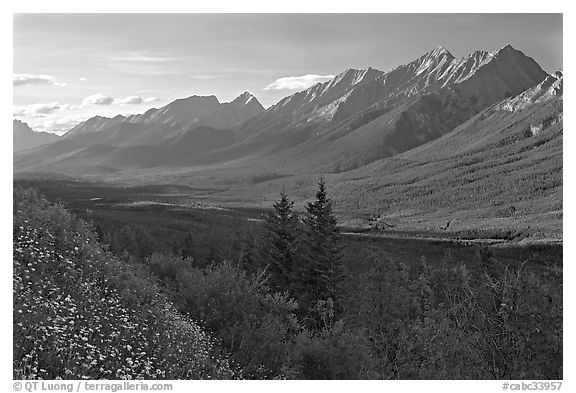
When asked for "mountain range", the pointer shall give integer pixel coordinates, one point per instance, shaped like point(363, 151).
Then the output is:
point(363, 128)
point(25, 138)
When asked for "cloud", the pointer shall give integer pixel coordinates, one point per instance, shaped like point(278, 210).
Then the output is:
point(64, 124)
point(148, 100)
point(297, 82)
point(29, 79)
point(130, 100)
point(70, 107)
point(82, 79)
point(97, 99)
point(136, 100)
point(38, 110)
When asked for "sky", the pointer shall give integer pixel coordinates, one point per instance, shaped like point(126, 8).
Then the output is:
point(69, 67)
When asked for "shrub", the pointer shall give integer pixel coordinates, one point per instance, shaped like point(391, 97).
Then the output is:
point(80, 313)
point(255, 326)
point(333, 353)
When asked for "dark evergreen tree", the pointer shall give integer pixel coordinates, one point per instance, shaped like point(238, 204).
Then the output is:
point(188, 247)
point(248, 259)
point(279, 248)
point(212, 256)
point(321, 270)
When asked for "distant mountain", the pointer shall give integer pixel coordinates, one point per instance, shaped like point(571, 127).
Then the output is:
point(358, 117)
point(26, 138)
point(486, 77)
point(186, 126)
point(183, 110)
point(166, 123)
point(94, 124)
point(230, 114)
point(182, 116)
point(365, 115)
point(500, 169)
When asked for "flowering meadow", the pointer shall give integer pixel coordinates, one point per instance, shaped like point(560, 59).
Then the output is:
point(80, 313)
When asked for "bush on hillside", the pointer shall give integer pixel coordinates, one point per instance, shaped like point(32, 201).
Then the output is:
point(253, 324)
point(80, 313)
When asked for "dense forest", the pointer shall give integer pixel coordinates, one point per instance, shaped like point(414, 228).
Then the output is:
point(112, 300)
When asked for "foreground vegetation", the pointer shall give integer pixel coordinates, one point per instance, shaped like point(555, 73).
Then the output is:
point(80, 313)
point(289, 306)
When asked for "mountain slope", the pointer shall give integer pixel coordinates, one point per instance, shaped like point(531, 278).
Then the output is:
point(94, 124)
point(358, 117)
point(25, 138)
point(158, 137)
point(501, 169)
point(230, 114)
point(383, 114)
point(552, 86)
point(180, 111)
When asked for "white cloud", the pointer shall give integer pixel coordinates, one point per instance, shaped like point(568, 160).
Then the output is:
point(64, 124)
point(136, 100)
point(130, 100)
point(148, 100)
point(297, 82)
point(29, 79)
point(37, 110)
point(97, 99)
point(69, 107)
point(82, 79)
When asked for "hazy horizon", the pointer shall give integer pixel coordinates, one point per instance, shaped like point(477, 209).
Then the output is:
point(69, 67)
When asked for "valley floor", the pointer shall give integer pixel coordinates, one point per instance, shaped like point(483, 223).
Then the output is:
point(495, 226)
point(208, 210)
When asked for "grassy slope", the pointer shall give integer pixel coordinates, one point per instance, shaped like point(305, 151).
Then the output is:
point(489, 172)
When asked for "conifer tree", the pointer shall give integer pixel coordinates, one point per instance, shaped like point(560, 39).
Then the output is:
point(188, 247)
point(248, 259)
point(280, 243)
point(322, 267)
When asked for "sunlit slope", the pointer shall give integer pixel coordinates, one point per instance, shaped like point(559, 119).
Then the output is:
point(500, 169)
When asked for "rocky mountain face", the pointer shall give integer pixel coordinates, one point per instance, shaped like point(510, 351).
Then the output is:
point(549, 88)
point(502, 168)
point(26, 138)
point(94, 124)
point(230, 114)
point(364, 115)
point(157, 137)
point(179, 111)
point(356, 118)
point(173, 120)
point(481, 77)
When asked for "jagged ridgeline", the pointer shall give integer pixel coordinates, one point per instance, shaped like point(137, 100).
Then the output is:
point(80, 313)
point(358, 117)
